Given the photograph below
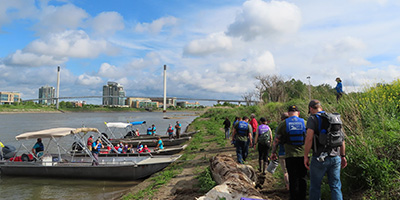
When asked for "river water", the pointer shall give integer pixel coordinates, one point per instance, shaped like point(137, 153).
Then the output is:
point(45, 188)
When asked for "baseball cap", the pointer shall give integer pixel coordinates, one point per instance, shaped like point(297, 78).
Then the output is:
point(293, 108)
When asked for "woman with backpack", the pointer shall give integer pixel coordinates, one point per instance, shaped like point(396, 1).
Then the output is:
point(264, 139)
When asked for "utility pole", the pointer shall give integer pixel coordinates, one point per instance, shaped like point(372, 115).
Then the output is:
point(309, 87)
point(58, 87)
point(165, 89)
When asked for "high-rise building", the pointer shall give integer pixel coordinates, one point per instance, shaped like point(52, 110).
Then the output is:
point(9, 97)
point(113, 94)
point(46, 95)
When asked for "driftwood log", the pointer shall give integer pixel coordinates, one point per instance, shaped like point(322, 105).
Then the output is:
point(234, 180)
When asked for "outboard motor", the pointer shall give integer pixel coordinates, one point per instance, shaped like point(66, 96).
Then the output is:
point(8, 151)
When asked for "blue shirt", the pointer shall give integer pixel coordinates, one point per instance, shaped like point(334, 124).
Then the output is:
point(160, 144)
point(339, 87)
point(98, 147)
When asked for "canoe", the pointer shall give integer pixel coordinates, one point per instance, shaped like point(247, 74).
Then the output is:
point(153, 143)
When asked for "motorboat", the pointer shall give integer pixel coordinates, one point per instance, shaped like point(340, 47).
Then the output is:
point(67, 165)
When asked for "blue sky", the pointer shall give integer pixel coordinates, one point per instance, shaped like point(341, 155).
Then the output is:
point(213, 49)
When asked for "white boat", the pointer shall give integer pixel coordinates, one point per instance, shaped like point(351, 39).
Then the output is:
point(68, 166)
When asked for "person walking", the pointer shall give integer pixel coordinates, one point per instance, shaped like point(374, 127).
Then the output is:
point(241, 137)
point(254, 125)
point(339, 89)
point(178, 127)
point(227, 126)
point(292, 134)
point(325, 160)
point(264, 140)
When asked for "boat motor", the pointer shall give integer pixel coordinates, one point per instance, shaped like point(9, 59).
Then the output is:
point(9, 151)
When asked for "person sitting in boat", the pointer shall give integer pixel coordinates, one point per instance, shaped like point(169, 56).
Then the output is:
point(137, 132)
point(130, 149)
point(145, 149)
point(170, 131)
point(125, 149)
point(139, 147)
point(38, 148)
point(153, 129)
point(119, 148)
point(95, 151)
point(149, 131)
point(160, 144)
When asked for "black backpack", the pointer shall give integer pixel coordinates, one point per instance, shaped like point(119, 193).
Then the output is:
point(330, 130)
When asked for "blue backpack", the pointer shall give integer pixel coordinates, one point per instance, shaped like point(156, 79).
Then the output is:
point(296, 131)
point(243, 128)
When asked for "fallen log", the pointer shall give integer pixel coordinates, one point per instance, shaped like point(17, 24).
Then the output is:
point(235, 180)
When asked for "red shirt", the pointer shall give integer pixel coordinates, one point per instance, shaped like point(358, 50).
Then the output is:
point(254, 124)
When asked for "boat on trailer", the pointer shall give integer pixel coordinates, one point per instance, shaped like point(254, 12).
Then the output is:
point(69, 166)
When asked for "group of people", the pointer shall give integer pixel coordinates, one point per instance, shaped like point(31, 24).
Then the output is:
point(170, 130)
point(295, 139)
point(151, 130)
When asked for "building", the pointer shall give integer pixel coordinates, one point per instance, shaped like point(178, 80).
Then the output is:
point(185, 104)
point(113, 94)
point(9, 97)
point(46, 95)
point(171, 102)
point(141, 103)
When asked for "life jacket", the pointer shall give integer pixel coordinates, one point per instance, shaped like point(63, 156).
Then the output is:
point(170, 129)
point(296, 131)
point(149, 130)
point(40, 148)
point(243, 128)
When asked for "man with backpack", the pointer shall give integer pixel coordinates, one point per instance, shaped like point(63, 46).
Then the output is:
point(291, 133)
point(263, 139)
point(241, 136)
point(326, 137)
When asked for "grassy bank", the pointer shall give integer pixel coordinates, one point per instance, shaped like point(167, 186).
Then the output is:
point(371, 123)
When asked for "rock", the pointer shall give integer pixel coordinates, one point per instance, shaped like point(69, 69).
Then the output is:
point(235, 180)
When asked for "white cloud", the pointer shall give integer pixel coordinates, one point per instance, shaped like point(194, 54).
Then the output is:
point(398, 58)
point(359, 61)
point(16, 9)
point(110, 71)
point(61, 18)
point(213, 43)
point(87, 80)
point(107, 23)
point(150, 60)
point(264, 19)
point(342, 48)
point(70, 43)
point(20, 58)
point(157, 25)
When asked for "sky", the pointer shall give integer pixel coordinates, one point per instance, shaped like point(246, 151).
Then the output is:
point(212, 49)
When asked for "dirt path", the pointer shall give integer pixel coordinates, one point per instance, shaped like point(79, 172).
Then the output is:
point(184, 186)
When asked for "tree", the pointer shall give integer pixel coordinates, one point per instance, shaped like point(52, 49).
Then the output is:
point(271, 88)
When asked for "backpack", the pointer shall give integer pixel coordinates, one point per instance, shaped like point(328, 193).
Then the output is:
point(243, 128)
point(330, 130)
point(296, 131)
point(264, 136)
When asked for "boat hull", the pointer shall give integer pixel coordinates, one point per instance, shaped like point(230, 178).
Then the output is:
point(119, 171)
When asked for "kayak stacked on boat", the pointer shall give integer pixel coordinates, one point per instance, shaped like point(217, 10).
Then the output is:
point(68, 165)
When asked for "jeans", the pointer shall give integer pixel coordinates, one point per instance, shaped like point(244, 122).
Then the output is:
point(297, 177)
point(227, 133)
point(331, 166)
point(242, 148)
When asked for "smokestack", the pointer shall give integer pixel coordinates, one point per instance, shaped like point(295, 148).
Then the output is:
point(58, 87)
point(165, 88)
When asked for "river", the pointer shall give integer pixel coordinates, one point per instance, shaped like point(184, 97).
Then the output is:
point(45, 188)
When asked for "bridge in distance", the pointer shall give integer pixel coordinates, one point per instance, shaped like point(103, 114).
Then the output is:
point(153, 98)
